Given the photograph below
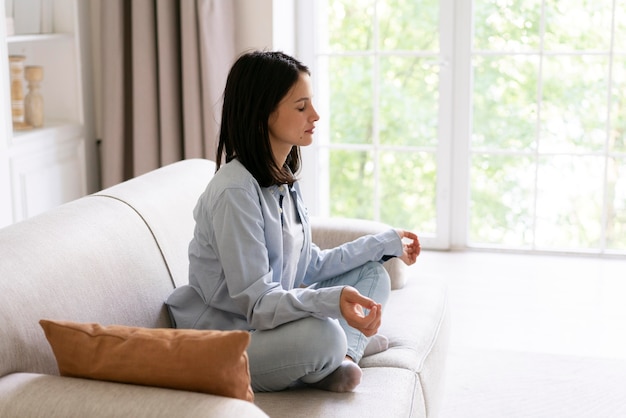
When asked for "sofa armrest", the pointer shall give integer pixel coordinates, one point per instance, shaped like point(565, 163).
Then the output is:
point(37, 395)
point(332, 232)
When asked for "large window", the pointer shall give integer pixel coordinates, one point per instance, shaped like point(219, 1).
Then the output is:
point(527, 151)
point(547, 142)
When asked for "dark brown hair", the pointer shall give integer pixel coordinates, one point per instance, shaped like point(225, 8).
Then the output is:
point(256, 84)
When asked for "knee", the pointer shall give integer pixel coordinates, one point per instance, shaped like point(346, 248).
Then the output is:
point(381, 282)
point(324, 348)
point(324, 338)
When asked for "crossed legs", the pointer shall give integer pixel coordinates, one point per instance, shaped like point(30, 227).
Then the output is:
point(315, 351)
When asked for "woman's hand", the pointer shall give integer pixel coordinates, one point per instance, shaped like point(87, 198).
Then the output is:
point(353, 306)
point(410, 246)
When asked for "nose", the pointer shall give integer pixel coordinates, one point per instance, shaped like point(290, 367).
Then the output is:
point(314, 115)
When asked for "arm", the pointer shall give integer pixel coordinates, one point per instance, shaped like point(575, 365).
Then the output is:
point(353, 304)
point(329, 263)
point(247, 238)
point(332, 232)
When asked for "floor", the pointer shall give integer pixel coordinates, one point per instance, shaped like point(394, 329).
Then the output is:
point(533, 336)
point(536, 303)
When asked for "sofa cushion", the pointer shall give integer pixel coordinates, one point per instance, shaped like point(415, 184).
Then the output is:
point(416, 322)
point(43, 396)
point(383, 392)
point(212, 362)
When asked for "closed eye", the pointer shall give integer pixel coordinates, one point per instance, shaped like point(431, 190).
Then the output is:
point(302, 104)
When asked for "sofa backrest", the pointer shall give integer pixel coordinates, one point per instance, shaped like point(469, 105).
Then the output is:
point(110, 258)
point(165, 200)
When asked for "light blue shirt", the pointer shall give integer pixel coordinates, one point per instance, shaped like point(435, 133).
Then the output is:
point(236, 260)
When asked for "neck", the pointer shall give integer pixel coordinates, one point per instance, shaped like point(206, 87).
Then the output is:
point(280, 156)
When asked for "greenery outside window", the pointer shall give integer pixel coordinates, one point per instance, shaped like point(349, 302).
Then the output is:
point(526, 152)
point(548, 168)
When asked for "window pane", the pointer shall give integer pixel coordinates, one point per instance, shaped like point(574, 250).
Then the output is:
point(408, 25)
point(619, 39)
point(501, 202)
point(574, 111)
point(616, 216)
point(408, 192)
point(617, 138)
point(578, 25)
point(350, 24)
point(351, 101)
point(569, 202)
point(505, 102)
point(507, 25)
point(409, 95)
point(351, 184)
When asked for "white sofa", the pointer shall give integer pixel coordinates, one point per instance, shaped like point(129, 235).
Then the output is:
point(115, 256)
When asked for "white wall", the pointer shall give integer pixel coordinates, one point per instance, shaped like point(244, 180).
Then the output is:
point(265, 25)
point(6, 131)
point(254, 24)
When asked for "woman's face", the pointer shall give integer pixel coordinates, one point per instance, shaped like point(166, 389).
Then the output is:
point(293, 121)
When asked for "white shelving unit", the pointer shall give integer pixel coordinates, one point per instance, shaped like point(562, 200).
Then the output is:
point(45, 167)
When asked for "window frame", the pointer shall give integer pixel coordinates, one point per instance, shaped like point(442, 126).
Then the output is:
point(314, 175)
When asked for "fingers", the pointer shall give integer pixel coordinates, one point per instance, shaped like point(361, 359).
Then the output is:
point(410, 235)
point(351, 295)
point(410, 245)
point(352, 305)
point(413, 249)
point(369, 324)
point(377, 314)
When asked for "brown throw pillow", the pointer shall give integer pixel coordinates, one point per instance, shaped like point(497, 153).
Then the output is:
point(212, 362)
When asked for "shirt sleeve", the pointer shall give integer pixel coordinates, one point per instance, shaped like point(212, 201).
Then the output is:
point(238, 223)
point(326, 264)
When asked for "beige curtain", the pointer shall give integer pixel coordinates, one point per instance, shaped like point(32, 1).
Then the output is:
point(164, 65)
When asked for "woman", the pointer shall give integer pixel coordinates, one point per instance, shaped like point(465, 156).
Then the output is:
point(252, 263)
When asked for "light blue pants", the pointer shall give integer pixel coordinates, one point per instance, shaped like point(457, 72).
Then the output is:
point(307, 350)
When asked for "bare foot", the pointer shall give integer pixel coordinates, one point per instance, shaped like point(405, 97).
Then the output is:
point(345, 378)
